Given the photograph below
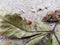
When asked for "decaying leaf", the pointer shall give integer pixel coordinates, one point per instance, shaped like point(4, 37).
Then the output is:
point(13, 25)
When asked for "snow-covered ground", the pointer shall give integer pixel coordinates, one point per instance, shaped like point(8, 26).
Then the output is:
point(28, 8)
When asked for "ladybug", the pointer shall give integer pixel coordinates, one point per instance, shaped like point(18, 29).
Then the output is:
point(29, 22)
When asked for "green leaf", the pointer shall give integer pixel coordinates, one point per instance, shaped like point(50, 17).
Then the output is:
point(35, 41)
point(42, 26)
point(55, 42)
point(49, 42)
point(58, 35)
point(13, 25)
point(40, 40)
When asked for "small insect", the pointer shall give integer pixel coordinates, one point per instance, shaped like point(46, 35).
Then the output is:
point(29, 22)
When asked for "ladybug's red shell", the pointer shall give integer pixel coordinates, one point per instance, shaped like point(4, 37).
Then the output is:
point(29, 22)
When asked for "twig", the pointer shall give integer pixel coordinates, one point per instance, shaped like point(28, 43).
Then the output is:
point(53, 31)
point(57, 38)
point(54, 26)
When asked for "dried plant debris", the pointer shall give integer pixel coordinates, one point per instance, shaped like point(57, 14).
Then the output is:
point(39, 9)
point(52, 16)
point(9, 42)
